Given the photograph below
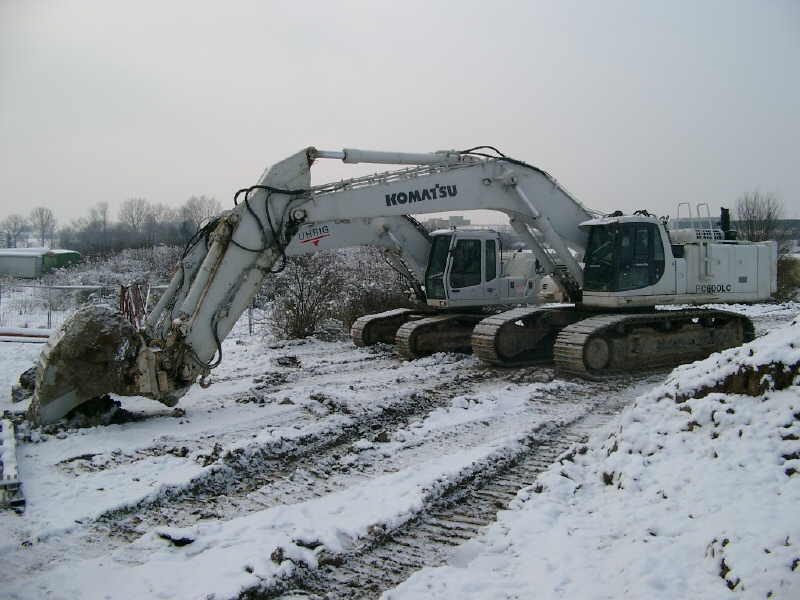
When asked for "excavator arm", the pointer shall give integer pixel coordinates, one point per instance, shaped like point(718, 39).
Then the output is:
point(225, 264)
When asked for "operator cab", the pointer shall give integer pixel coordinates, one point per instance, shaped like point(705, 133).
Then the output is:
point(623, 253)
point(469, 268)
point(640, 261)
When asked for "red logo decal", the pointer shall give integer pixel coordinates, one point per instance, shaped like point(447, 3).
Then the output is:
point(316, 240)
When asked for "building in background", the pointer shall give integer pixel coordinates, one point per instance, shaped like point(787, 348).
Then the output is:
point(452, 221)
point(30, 263)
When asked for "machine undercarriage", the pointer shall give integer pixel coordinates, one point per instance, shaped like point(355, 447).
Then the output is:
point(578, 341)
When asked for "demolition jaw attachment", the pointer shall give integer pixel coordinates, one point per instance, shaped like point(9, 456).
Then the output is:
point(93, 353)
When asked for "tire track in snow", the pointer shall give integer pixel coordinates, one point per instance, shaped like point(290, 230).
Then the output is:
point(204, 447)
point(389, 557)
point(222, 492)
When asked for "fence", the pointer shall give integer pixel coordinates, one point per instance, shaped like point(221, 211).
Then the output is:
point(44, 307)
point(48, 306)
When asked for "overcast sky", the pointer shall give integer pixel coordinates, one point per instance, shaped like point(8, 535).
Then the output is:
point(629, 104)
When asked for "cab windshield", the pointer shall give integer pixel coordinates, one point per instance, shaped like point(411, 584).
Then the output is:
point(434, 284)
point(623, 256)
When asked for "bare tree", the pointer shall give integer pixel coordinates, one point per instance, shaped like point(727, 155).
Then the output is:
point(95, 230)
point(14, 226)
point(161, 213)
point(133, 213)
point(43, 222)
point(199, 208)
point(99, 217)
point(759, 217)
point(157, 218)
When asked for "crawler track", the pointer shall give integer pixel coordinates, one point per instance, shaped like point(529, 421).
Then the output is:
point(380, 327)
point(608, 344)
point(388, 559)
point(520, 337)
point(438, 333)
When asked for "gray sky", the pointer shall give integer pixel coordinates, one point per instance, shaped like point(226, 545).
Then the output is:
point(629, 104)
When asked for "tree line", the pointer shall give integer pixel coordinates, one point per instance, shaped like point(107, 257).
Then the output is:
point(138, 223)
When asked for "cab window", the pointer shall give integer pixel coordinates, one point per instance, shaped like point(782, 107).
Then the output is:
point(466, 266)
point(623, 256)
point(491, 260)
point(434, 286)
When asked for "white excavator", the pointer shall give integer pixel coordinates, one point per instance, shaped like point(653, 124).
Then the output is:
point(478, 296)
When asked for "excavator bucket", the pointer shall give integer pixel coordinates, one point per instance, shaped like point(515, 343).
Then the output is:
point(93, 353)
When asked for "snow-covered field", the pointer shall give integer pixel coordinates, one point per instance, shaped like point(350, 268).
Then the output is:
point(302, 451)
point(691, 495)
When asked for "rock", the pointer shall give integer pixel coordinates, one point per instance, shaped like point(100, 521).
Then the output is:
point(277, 555)
point(286, 401)
point(27, 380)
point(177, 540)
point(18, 393)
point(178, 412)
point(288, 361)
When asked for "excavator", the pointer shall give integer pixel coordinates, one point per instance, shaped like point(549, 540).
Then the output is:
point(478, 296)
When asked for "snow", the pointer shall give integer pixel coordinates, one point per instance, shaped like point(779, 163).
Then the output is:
point(34, 251)
point(749, 310)
point(25, 331)
point(225, 557)
point(16, 358)
point(23, 339)
point(681, 499)
point(644, 511)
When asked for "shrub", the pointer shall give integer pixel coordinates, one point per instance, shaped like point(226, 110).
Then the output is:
point(788, 278)
point(341, 285)
point(304, 293)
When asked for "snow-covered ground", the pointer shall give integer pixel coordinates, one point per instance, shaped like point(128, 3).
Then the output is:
point(691, 495)
point(302, 449)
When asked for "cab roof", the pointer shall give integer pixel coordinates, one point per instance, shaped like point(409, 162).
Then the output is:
point(622, 219)
point(473, 233)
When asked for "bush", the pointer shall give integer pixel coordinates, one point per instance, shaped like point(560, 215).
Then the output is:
point(304, 293)
point(788, 278)
point(372, 285)
point(154, 265)
point(369, 301)
point(340, 285)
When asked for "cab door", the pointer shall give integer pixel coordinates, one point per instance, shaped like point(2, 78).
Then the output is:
point(465, 281)
point(491, 270)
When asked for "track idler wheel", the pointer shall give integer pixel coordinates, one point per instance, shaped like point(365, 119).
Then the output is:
point(597, 353)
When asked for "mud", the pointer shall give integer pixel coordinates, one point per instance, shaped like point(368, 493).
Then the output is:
point(100, 410)
point(749, 381)
point(27, 380)
point(24, 388)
